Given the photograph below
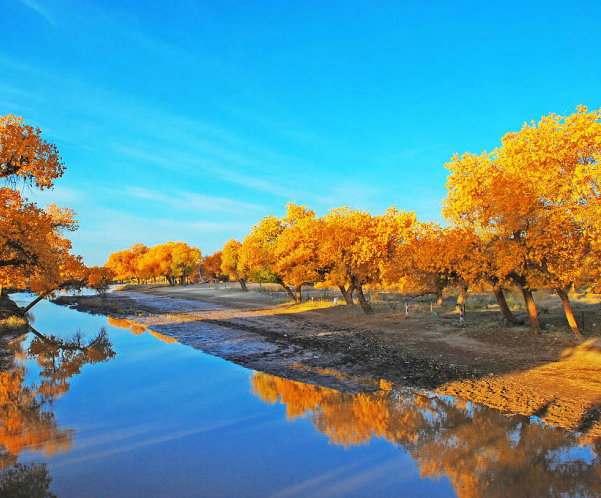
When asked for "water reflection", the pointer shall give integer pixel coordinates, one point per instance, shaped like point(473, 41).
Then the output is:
point(27, 421)
point(137, 329)
point(22, 480)
point(482, 452)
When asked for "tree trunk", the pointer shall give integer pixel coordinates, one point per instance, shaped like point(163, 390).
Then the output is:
point(243, 285)
point(461, 299)
point(439, 299)
point(531, 307)
point(34, 302)
point(503, 305)
point(569, 314)
point(299, 295)
point(287, 289)
point(362, 301)
point(350, 290)
point(347, 294)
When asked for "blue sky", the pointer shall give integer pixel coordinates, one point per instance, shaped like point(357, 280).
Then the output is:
point(190, 120)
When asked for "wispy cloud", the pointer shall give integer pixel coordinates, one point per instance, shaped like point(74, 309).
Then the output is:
point(106, 230)
point(309, 486)
point(348, 193)
point(179, 143)
point(36, 7)
point(191, 201)
point(217, 167)
point(274, 185)
point(59, 195)
point(121, 227)
point(361, 480)
point(168, 435)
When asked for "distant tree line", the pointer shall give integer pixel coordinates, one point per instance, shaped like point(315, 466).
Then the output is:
point(176, 262)
point(526, 215)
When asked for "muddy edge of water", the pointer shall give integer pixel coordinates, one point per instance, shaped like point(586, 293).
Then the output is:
point(514, 372)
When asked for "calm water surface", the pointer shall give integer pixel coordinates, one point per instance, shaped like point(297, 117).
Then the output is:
point(158, 418)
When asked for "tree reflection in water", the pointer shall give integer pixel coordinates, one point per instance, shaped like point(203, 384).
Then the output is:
point(481, 451)
point(27, 481)
point(26, 417)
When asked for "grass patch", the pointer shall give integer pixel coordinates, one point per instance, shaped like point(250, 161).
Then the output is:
point(13, 325)
point(308, 305)
point(514, 302)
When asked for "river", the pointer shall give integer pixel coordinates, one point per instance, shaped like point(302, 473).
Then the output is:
point(147, 416)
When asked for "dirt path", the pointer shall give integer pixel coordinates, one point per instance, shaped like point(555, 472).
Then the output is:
point(339, 347)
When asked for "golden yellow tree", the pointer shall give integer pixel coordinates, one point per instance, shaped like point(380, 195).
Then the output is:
point(34, 251)
point(532, 200)
point(348, 253)
point(294, 255)
point(230, 263)
point(124, 264)
point(175, 261)
point(435, 258)
point(210, 266)
point(25, 156)
point(256, 256)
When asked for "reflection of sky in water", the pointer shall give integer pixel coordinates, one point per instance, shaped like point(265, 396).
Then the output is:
point(167, 420)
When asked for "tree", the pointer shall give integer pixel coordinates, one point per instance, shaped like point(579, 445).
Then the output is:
point(294, 255)
point(25, 156)
point(230, 263)
point(175, 261)
point(125, 264)
point(34, 251)
point(347, 252)
point(185, 260)
point(172, 260)
point(256, 252)
point(421, 264)
point(532, 199)
point(210, 266)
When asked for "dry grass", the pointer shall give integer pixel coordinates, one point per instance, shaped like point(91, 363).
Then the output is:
point(13, 325)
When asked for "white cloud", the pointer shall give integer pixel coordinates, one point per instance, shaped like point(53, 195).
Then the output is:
point(191, 201)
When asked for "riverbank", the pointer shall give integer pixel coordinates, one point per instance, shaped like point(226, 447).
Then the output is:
point(337, 346)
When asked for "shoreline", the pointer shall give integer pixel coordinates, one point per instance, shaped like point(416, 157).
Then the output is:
point(333, 346)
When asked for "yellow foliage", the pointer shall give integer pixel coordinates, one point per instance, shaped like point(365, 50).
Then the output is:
point(172, 260)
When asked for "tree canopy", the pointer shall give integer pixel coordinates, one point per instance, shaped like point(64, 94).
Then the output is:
point(34, 248)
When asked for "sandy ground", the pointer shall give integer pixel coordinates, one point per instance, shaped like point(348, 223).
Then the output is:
point(509, 369)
